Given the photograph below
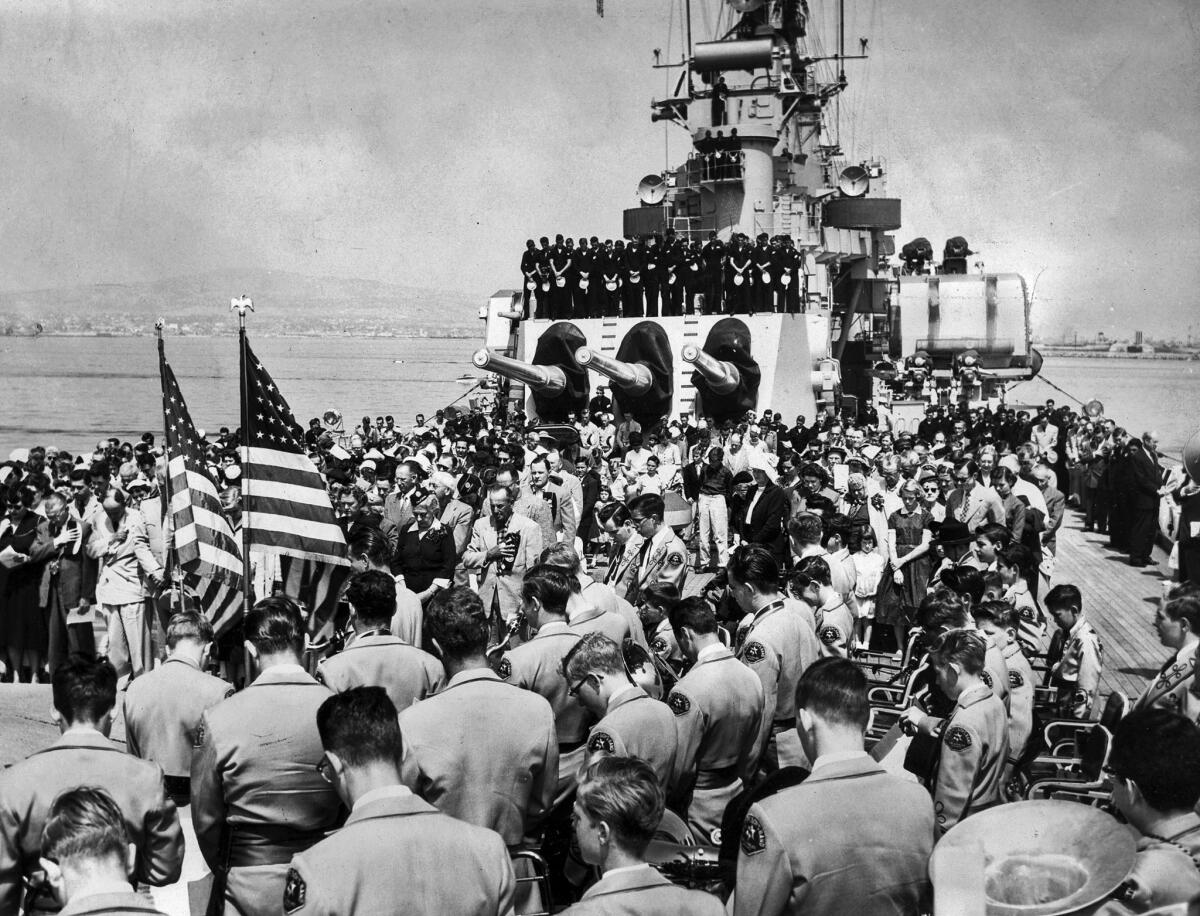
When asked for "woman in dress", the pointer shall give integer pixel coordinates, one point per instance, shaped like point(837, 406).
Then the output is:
point(26, 545)
point(909, 537)
point(426, 556)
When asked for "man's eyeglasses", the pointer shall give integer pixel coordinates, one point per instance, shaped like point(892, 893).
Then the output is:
point(324, 769)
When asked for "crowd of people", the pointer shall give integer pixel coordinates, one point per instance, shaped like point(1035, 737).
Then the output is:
point(661, 274)
point(524, 666)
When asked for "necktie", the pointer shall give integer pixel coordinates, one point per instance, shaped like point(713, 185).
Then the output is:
point(614, 566)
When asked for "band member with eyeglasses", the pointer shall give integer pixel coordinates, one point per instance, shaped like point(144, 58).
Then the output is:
point(396, 851)
point(257, 799)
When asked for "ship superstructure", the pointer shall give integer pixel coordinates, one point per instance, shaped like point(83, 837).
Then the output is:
point(763, 160)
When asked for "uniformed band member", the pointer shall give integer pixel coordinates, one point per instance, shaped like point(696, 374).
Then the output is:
point(396, 854)
point(973, 739)
point(777, 640)
point(84, 695)
point(257, 798)
point(718, 707)
point(1155, 769)
point(630, 722)
point(625, 546)
point(1075, 654)
point(1002, 623)
point(870, 853)
point(835, 623)
point(662, 557)
point(373, 656)
point(537, 665)
point(1177, 622)
point(87, 857)
point(479, 733)
point(163, 707)
point(617, 811)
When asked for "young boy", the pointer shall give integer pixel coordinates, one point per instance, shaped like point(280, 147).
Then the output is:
point(1076, 654)
point(1001, 622)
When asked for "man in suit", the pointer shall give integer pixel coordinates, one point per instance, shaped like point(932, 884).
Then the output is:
point(1056, 507)
point(396, 851)
point(456, 517)
point(662, 558)
point(374, 657)
point(257, 799)
point(163, 708)
point(563, 520)
point(85, 693)
point(68, 579)
point(502, 547)
point(617, 812)
point(1144, 481)
point(877, 829)
point(479, 733)
point(397, 505)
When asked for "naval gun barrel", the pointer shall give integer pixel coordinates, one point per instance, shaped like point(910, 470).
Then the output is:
point(634, 378)
point(722, 377)
point(542, 379)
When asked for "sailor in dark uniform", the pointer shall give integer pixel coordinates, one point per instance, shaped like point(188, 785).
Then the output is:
point(559, 273)
point(790, 267)
point(634, 277)
point(693, 277)
point(612, 273)
point(583, 263)
point(714, 269)
point(674, 264)
point(531, 270)
point(737, 277)
point(652, 273)
point(542, 293)
point(597, 294)
point(761, 297)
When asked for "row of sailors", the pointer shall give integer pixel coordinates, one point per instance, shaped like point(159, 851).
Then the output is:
point(661, 275)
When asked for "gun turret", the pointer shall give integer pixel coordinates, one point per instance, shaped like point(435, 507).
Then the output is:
point(646, 354)
point(722, 377)
point(634, 378)
point(548, 380)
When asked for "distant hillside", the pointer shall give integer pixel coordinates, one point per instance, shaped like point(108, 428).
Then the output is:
point(284, 303)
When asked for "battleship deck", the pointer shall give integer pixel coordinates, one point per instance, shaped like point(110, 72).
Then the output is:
point(1119, 600)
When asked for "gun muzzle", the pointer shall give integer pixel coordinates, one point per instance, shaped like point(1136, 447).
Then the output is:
point(722, 377)
point(634, 378)
point(542, 379)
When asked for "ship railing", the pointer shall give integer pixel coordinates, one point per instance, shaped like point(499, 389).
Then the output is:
point(711, 168)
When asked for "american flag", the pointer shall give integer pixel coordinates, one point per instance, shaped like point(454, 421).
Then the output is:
point(285, 506)
point(219, 601)
point(204, 545)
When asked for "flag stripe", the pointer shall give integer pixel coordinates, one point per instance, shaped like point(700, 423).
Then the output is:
point(284, 492)
point(285, 542)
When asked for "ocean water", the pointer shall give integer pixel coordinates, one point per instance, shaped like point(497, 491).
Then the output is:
point(72, 391)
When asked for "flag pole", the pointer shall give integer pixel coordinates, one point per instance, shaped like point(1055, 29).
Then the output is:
point(171, 583)
point(242, 305)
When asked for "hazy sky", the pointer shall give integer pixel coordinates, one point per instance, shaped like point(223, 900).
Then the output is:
point(421, 143)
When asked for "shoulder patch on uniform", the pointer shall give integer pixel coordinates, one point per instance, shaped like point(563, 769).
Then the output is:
point(504, 669)
point(659, 645)
point(754, 652)
point(1015, 679)
point(830, 635)
point(674, 559)
point(294, 892)
point(680, 704)
point(198, 740)
point(958, 738)
point(754, 838)
point(986, 676)
point(601, 741)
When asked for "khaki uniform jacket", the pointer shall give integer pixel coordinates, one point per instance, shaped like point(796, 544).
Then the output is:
point(1077, 673)
point(778, 645)
point(718, 707)
point(974, 748)
point(1021, 681)
point(835, 628)
point(636, 725)
point(667, 564)
point(641, 892)
point(851, 838)
point(1177, 687)
point(623, 566)
point(605, 598)
point(399, 855)
point(504, 588)
point(128, 903)
point(85, 758)
point(594, 620)
point(483, 751)
point(537, 666)
point(995, 670)
point(254, 774)
point(163, 708)
point(374, 659)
